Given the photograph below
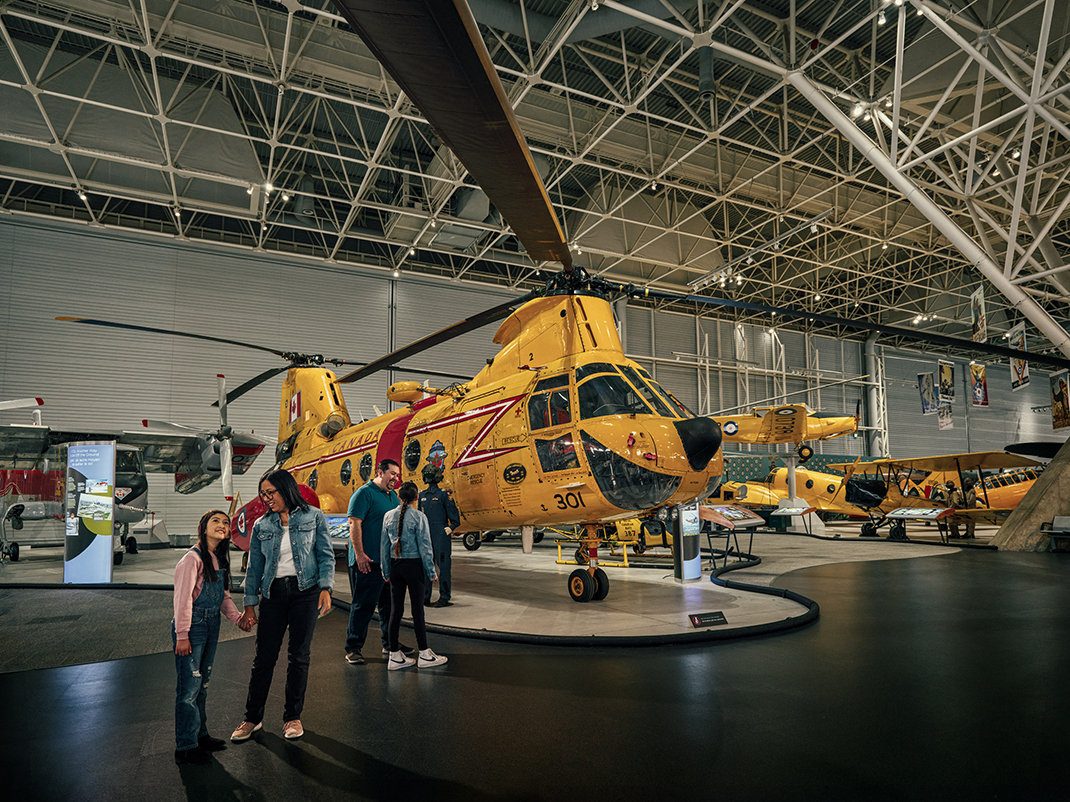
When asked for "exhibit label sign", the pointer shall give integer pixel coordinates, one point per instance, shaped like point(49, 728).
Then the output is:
point(89, 513)
point(707, 619)
point(687, 555)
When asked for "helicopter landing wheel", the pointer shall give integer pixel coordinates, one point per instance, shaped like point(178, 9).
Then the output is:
point(601, 585)
point(471, 541)
point(581, 586)
point(12, 551)
point(804, 452)
point(538, 536)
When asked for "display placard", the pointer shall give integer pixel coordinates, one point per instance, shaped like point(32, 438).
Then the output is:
point(707, 619)
point(687, 555)
point(920, 513)
point(89, 513)
point(338, 528)
point(793, 510)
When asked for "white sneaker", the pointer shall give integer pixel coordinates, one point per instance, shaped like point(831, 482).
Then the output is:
point(399, 660)
point(429, 659)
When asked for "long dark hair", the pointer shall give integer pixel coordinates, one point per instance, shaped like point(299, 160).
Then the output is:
point(407, 493)
point(287, 487)
point(222, 552)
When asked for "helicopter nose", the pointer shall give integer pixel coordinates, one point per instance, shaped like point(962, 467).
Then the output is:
point(701, 438)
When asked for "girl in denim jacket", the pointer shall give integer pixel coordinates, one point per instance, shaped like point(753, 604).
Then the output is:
point(407, 559)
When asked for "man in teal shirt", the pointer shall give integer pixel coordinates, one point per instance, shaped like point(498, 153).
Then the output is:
point(366, 510)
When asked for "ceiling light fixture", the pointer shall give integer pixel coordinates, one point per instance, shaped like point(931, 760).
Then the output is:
point(81, 194)
point(750, 260)
point(920, 11)
point(888, 102)
point(881, 19)
point(412, 251)
point(249, 191)
point(899, 2)
point(434, 223)
point(884, 246)
point(397, 273)
point(268, 187)
point(817, 296)
point(813, 228)
point(866, 116)
point(857, 110)
point(1016, 153)
point(653, 186)
point(285, 197)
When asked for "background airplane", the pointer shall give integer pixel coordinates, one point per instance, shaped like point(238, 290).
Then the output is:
point(32, 468)
point(788, 423)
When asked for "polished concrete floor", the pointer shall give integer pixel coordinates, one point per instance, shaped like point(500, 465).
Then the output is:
point(941, 677)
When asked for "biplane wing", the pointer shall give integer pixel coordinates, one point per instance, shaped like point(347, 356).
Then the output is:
point(974, 461)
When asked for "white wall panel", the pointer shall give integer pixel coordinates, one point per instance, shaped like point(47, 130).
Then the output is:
point(108, 379)
point(639, 332)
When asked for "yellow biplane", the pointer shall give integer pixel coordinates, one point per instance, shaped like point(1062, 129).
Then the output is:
point(883, 489)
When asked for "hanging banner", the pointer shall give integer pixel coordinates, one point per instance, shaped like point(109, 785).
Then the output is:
point(946, 384)
point(979, 385)
point(977, 312)
point(89, 513)
point(944, 420)
point(927, 391)
point(1060, 400)
point(1019, 367)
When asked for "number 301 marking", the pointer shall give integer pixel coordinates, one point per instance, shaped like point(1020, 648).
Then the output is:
point(568, 500)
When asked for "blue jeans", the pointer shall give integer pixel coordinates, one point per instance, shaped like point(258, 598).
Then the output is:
point(194, 671)
point(369, 592)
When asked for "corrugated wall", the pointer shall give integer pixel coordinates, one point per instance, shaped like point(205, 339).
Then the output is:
point(107, 379)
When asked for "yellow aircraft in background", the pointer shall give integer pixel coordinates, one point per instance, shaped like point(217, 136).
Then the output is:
point(788, 423)
point(881, 488)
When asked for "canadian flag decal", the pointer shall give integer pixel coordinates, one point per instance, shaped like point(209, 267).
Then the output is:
point(295, 407)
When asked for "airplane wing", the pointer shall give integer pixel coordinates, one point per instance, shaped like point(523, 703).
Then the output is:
point(24, 446)
point(978, 460)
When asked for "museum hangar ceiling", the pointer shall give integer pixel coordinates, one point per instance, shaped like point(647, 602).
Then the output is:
point(856, 158)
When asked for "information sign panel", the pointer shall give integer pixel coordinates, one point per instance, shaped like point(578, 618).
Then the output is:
point(89, 513)
point(687, 556)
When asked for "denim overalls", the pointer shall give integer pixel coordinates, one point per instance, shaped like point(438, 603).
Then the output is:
point(195, 668)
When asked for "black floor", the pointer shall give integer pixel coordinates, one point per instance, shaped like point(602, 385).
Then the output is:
point(936, 678)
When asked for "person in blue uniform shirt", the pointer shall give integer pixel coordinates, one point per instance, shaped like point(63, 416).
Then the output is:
point(443, 518)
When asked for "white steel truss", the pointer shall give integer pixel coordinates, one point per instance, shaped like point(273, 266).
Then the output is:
point(675, 136)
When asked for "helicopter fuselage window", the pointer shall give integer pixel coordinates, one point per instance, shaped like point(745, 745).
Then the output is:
point(549, 404)
point(557, 455)
point(583, 371)
point(609, 395)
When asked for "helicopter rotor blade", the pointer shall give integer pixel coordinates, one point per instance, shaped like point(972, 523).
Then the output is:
point(435, 53)
point(254, 382)
point(149, 329)
point(444, 335)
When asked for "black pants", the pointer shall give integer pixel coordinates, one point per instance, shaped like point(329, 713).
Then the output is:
point(286, 607)
point(407, 575)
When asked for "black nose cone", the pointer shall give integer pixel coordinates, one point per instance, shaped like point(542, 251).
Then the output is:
point(701, 438)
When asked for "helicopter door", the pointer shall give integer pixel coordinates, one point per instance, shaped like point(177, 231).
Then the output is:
point(558, 453)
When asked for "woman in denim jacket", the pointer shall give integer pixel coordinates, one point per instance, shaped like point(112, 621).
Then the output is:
point(291, 574)
point(407, 560)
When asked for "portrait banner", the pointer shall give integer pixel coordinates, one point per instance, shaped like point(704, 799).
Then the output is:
point(979, 385)
point(977, 312)
point(946, 381)
point(1060, 400)
point(1019, 367)
point(927, 391)
point(944, 419)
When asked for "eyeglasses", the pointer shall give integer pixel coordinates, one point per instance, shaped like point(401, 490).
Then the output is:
point(267, 495)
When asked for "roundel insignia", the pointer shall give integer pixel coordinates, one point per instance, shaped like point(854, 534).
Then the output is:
point(241, 522)
point(515, 473)
point(731, 427)
point(786, 411)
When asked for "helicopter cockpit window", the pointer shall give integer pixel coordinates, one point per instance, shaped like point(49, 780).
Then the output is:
point(652, 398)
point(549, 404)
point(583, 371)
point(128, 461)
point(609, 395)
point(674, 402)
point(557, 455)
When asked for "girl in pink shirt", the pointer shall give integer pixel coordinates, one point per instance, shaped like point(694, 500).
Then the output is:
point(201, 580)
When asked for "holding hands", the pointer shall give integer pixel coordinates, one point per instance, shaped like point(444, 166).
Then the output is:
point(248, 619)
